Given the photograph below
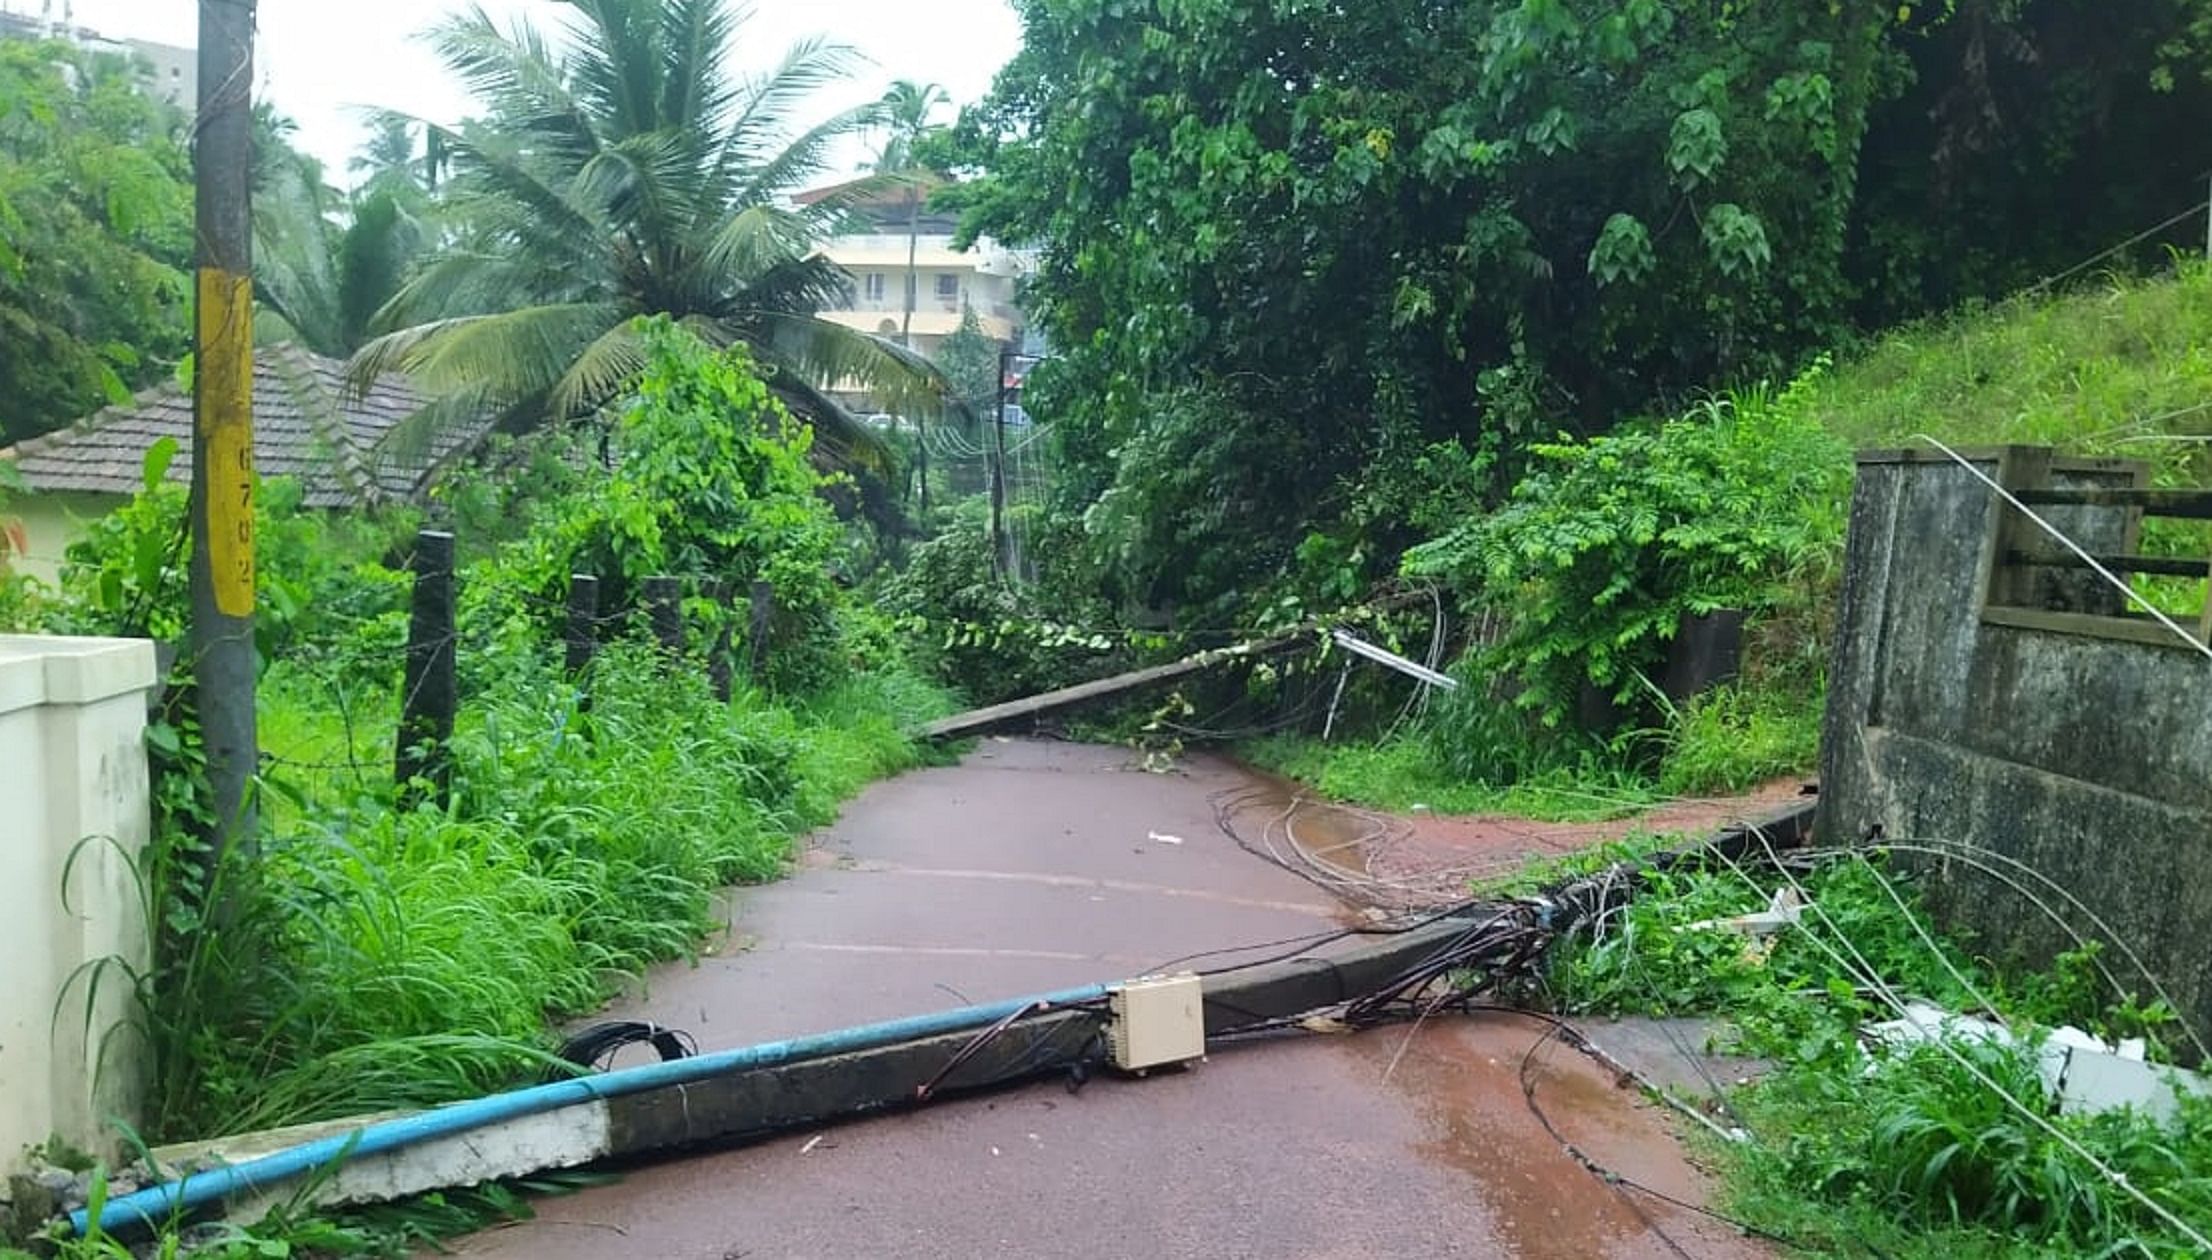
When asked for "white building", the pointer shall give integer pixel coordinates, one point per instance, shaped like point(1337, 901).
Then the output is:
point(947, 282)
point(174, 73)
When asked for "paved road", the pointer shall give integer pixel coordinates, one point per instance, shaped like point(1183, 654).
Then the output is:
point(1033, 866)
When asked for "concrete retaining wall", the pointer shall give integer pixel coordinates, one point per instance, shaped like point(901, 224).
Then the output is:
point(72, 768)
point(2085, 756)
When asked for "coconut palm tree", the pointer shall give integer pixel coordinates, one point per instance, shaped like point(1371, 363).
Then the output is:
point(628, 175)
point(906, 109)
point(325, 261)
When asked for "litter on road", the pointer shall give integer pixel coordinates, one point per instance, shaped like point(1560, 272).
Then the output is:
point(2082, 1072)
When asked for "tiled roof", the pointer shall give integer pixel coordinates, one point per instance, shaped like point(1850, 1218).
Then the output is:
point(307, 423)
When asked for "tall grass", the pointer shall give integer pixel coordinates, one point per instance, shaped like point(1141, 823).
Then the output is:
point(1404, 773)
point(2094, 370)
point(378, 957)
point(1903, 1152)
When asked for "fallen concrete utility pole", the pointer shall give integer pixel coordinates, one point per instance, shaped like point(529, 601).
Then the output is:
point(725, 1096)
point(1382, 656)
point(976, 721)
point(730, 1096)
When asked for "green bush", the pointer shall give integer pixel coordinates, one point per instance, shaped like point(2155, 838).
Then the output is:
point(373, 954)
point(1609, 543)
point(379, 957)
point(711, 482)
point(987, 636)
point(1736, 737)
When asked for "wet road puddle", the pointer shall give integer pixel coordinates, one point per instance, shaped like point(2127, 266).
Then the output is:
point(1463, 1077)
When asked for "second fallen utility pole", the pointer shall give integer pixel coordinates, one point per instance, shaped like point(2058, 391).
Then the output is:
point(998, 468)
point(221, 517)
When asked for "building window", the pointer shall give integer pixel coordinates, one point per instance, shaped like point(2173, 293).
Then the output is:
point(874, 283)
point(948, 287)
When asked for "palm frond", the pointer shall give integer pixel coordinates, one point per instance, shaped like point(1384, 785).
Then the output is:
point(617, 63)
point(696, 94)
point(375, 257)
point(842, 440)
point(755, 240)
point(805, 157)
point(643, 185)
point(629, 177)
point(295, 273)
point(765, 105)
point(472, 283)
point(829, 354)
point(518, 76)
point(498, 358)
point(835, 210)
point(561, 227)
point(601, 372)
point(800, 286)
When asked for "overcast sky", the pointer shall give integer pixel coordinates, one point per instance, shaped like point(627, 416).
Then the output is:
point(320, 60)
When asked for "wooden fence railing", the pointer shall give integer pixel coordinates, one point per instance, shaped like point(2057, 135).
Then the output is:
point(2036, 582)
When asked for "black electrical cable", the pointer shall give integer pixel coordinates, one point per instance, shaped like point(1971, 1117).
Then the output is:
point(1606, 1175)
point(594, 1047)
point(1574, 1036)
point(975, 1046)
point(1029, 1063)
point(1306, 944)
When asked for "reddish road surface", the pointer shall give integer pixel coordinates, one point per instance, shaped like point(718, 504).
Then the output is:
point(1034, 866)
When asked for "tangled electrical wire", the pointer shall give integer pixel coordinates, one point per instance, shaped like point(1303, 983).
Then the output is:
point(1366, 859)
point(1485, 956)
point(594, 1048)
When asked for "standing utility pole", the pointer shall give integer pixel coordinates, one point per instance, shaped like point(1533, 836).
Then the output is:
point(906, 334)
point(913, 243)
point(221, 508)
point(998, 468)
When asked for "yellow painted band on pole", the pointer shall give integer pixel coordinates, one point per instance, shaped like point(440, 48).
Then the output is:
point(224, 370)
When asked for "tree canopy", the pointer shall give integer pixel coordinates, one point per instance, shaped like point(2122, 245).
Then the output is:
point(625, 175)
point(1289, 245)
point(95, 234)
point(327, 261)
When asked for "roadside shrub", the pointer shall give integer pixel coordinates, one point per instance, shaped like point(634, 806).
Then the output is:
point(1905, 1148)
point(1736, 737)
point(711, 481)
point(1608, 543)
point(990, 638)
point(370, 956)
point(436, 942)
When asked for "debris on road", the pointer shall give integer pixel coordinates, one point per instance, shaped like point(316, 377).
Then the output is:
point(1783, 911)
point(2082, 1073)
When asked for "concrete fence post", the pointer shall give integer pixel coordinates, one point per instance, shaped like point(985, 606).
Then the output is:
point(429, 695)
point(718, 656)
point(757, 624)
point(664, 606)
point(583, 623)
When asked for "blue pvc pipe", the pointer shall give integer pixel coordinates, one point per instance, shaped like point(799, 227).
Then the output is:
point(151, 1206)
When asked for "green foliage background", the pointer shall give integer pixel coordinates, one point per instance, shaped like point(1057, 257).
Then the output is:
point(1282, 239)
point(95, 234)
point(376, 954)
